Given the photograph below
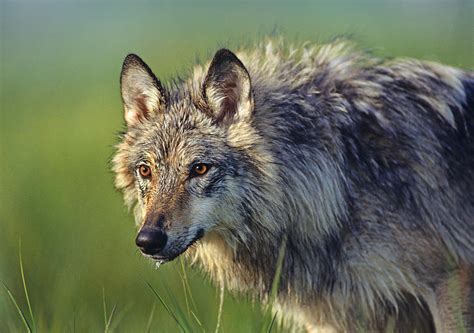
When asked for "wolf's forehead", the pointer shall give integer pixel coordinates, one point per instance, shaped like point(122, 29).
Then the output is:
point(182, 114)
point(177, 137)
point(172, 142)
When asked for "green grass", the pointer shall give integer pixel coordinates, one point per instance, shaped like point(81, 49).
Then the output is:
point(18, 309)
point(269, 319)
point(186, 321)
point(30, 327)
point(60, 111)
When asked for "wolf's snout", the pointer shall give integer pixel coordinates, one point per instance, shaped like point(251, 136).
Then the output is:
point(151, 240)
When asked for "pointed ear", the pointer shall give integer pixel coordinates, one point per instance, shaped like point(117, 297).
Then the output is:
point(142, 93)
point(227, 88)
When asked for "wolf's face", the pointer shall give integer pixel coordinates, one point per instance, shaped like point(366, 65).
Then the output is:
point(182, 170)
point(175, 161)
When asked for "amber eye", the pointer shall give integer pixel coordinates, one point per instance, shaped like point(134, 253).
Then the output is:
point(145, 171)
point(199, 169)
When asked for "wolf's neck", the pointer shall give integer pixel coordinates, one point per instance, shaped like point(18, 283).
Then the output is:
point(308, 268)
point(314, 277)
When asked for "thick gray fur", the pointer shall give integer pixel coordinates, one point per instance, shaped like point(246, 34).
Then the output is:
point(363, 166)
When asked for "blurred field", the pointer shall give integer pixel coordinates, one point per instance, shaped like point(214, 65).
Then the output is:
point(60, 111)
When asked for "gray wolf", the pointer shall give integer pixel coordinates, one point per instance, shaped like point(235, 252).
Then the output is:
point(364, 167)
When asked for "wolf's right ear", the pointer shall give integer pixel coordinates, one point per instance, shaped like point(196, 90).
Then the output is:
point(142, 92)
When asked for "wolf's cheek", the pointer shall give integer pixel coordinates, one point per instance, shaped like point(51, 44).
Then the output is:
point(143, 186)
point(201, 213)
point(138, 214)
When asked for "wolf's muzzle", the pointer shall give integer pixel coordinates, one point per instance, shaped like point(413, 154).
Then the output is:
point(151, 240)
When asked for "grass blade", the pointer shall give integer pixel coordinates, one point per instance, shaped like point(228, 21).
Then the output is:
point(221, 306)
point(198, 321)
point(178, 311)
point(162, 301)
point(74, 322)
point(104, 306)
point(20, 312)
point(24, 286)
point(109, 321)
point(276, 278)
point(188, 296)
point(150, 319)
point(275, 285)
point(188, 288)
point(185, 294)
point(270, 327)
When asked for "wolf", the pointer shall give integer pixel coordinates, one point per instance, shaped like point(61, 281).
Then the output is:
point(360, 168)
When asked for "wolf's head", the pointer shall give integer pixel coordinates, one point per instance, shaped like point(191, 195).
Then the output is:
point(187, 153)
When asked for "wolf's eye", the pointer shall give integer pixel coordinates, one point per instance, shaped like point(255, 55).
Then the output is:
point(199, 169)
point(145, 171)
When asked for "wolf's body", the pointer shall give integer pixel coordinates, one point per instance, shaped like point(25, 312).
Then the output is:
point(365, 168)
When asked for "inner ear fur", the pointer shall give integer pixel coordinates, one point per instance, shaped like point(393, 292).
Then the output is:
point(142, 92)
point(227, 88)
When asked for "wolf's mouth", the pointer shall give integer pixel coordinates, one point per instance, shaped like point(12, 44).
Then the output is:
point(161, 259)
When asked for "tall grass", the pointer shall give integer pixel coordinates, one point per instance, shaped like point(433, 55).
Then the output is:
point(30, 327)
point(186, 321)
point(185, 317)
point(18, 308)
point(269, 320)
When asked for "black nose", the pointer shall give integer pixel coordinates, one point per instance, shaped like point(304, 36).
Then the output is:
point(151, 240)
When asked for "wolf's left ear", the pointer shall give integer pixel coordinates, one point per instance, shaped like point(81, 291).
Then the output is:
point(227, 88)
point(142, 92)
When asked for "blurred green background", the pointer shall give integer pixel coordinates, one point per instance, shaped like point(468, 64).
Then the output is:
point(60, 112)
